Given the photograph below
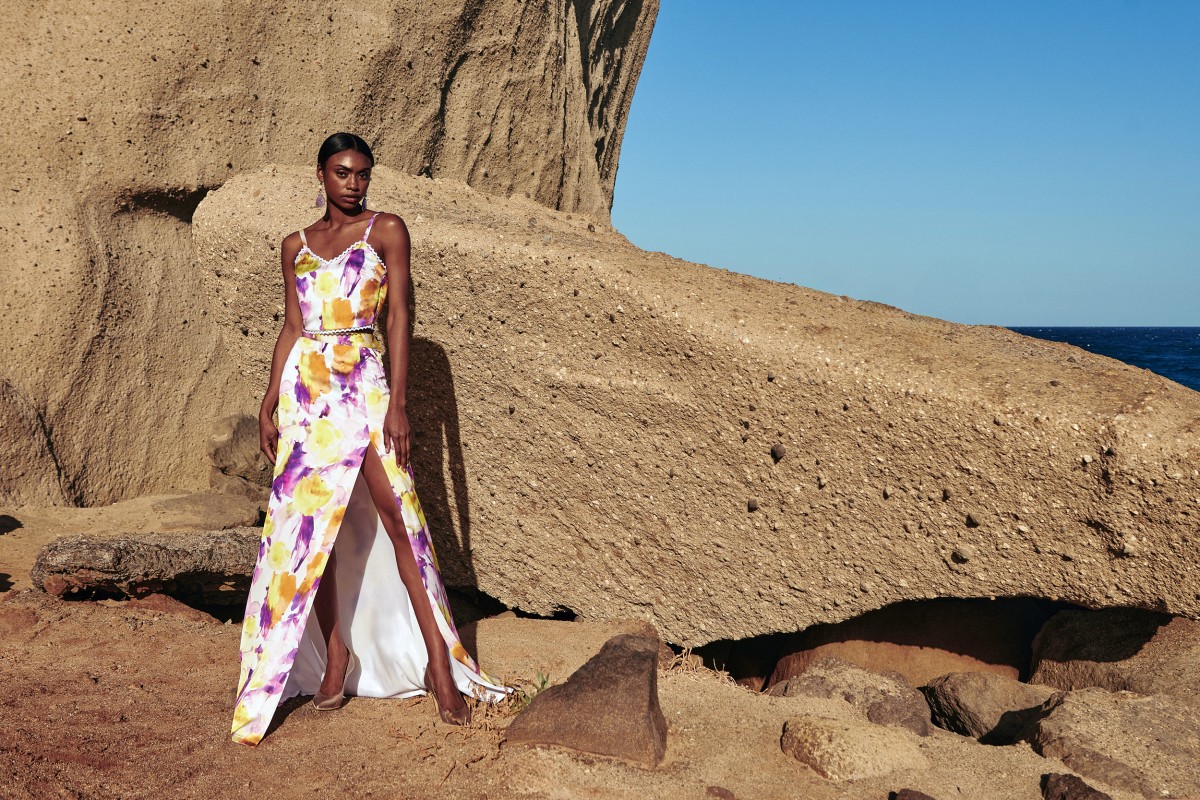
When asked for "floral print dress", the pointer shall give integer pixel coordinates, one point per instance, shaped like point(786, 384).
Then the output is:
point(332, 399)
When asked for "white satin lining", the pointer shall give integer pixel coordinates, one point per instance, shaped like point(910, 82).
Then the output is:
point(377, 619)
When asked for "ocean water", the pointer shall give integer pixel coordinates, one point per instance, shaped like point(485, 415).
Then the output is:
point(1171, 352)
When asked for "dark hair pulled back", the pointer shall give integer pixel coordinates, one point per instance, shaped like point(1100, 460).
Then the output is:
point(343, 141)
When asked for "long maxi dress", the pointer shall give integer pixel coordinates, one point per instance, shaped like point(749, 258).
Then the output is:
point(332, 399)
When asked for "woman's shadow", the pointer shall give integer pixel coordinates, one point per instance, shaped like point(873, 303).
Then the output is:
point(437, 444)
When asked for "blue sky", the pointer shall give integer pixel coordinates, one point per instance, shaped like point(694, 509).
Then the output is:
point(1011, 163)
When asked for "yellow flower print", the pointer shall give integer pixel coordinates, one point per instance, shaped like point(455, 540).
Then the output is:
point(280, 594)
point(335, 519)
point(377, 403)
point(279, 556)
point(288, 408)
point(250, 627)
point(337, 313)
point(368, 296)
point(282, 454)
point(314, 373)
point(306, 263)
point(323, 446)
point(311, 493)
point(316, 567)
point(326, 285)
point(345, 357)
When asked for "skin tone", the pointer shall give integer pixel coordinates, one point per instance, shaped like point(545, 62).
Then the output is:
point(345, 177)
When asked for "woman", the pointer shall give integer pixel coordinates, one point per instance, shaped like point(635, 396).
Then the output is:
point(342, 472)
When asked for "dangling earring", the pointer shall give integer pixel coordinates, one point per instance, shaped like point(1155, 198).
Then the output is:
point(363, 202)
point(320, 201)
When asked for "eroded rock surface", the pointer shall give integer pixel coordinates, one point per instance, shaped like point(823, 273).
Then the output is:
point(1069, 787)
point(591, 369)
point(129, 113)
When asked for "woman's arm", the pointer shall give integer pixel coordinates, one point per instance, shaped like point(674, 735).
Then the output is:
point(268, 434)
point(396, 251)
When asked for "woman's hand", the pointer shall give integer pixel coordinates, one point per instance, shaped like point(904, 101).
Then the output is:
point(268, 437)
point(395, 434)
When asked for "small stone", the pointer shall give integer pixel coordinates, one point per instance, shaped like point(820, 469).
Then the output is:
point(1087, 459)
point(778, 451)
point(752, 504)
point(962, 554)
point(1069, 787)
point(885, 699)
point(945, 495)
point(719, 792)
point(972, 521)
point(843, 751)
point(989, 707)
point(607, 707)
point(909, 794)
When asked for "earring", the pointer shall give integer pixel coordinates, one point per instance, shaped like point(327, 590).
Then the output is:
point(320, 201)
point(363, 202)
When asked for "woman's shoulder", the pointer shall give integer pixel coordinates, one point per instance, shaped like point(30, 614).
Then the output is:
point(292, 243)
point(386, 220)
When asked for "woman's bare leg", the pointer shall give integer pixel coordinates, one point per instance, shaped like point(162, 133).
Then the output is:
point(325, 604)
point(393, 522)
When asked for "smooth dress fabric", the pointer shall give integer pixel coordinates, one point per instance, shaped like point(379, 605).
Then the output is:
point(332, 399)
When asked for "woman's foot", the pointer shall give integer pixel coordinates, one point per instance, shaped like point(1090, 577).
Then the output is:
point(332, 693)
point(451, 707)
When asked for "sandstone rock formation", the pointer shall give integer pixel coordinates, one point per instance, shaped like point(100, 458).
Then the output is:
point(591, 419)
point(923, 640)
point(120, 117)
point(601, 426)
point(1069, 787)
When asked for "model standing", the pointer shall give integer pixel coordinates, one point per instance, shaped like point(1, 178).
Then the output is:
point(382, 625)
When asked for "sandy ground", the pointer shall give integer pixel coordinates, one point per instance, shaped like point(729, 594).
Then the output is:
point(109, 700)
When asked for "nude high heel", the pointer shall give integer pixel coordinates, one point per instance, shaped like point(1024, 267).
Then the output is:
point(462, 717)
point(332, 702)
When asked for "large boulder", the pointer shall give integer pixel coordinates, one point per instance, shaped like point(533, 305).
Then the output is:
point(1149, 745)
point(591, 369)
point(127, 114)
point(1119, 649)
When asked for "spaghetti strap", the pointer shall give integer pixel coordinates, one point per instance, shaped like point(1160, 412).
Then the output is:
point(303, 238)
point(369, 224)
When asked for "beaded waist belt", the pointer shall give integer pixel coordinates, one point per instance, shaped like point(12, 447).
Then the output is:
point(338, 331)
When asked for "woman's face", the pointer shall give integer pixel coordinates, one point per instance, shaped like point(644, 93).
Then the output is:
point(346, 176)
